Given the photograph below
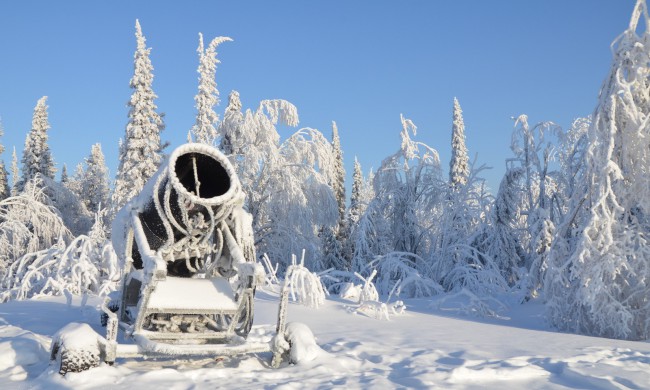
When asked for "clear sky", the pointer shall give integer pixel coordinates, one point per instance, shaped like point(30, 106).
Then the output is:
point(360, 63)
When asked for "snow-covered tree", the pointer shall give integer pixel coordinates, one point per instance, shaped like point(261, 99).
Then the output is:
point(287, 184)
point(15, 173)
point(28, 224)
point(571, 156)
point(231, 126)
point(338, 181)
point(356, 205)
point(300, 200)
point(70, 206)
point(401, 217)
point(37, 158)
point(4, 180)
point(501, 238)
point(94, 183)
point(64, 174)
point(408, 183)
point(87, 265)
point(141, 152)
point(333, 256)
point(459, 163)
point(597, 282)
point(74, 183)
point(458, 258)
point(205, 128)
point(532, 187)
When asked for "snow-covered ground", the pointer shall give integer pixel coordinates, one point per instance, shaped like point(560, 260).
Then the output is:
point(427, 347)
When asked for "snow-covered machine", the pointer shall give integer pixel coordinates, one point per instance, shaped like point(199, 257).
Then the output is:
point(189, 268)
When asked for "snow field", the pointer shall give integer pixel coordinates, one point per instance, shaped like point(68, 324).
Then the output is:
point(423, 348)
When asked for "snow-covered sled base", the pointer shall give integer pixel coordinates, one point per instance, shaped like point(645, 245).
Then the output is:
point(428, 346)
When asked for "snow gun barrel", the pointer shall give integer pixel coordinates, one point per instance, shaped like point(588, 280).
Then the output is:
point(192, 193)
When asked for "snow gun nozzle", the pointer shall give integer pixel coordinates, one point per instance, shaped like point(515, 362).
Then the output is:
point(203, 174)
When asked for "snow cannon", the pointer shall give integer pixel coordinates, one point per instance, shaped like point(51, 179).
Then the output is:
point(188, 251)
point(189, 272)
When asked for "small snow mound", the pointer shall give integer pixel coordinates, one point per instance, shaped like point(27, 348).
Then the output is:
point(78, 336)
point(303, 343)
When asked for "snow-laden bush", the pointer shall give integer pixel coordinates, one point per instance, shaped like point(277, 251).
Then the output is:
point(87, 265)
point(305, 286)
point(28, 224)
point(475, 272)
point(271, 274)
point(403, 266)
point(336, 281)
point(367, 297)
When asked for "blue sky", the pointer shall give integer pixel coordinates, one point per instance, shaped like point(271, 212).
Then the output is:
point(359, 63)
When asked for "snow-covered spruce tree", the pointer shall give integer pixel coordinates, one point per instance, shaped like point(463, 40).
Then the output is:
point(94, 182)
point(332, 256)
point(15, 173)
point(141, 151)
point(459, 163)
point(4, 180)
point(501, 240)
point(232, 123)
point(338, 181)
point(598, 279)
point(396, 227)
point(358, 204)
point(64, 174)
point(205, 128)
point(37, 159)
point(334, 249)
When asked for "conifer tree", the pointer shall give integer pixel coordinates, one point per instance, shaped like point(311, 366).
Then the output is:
point(205, 128)
point(4, 180)
point(459, 163)
point(338, 181)
point(231, 126)
point(15, 173)
point(94, 183)
point(356, 206)
point(37, 159)
point(64, 174)
point(141, 151)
